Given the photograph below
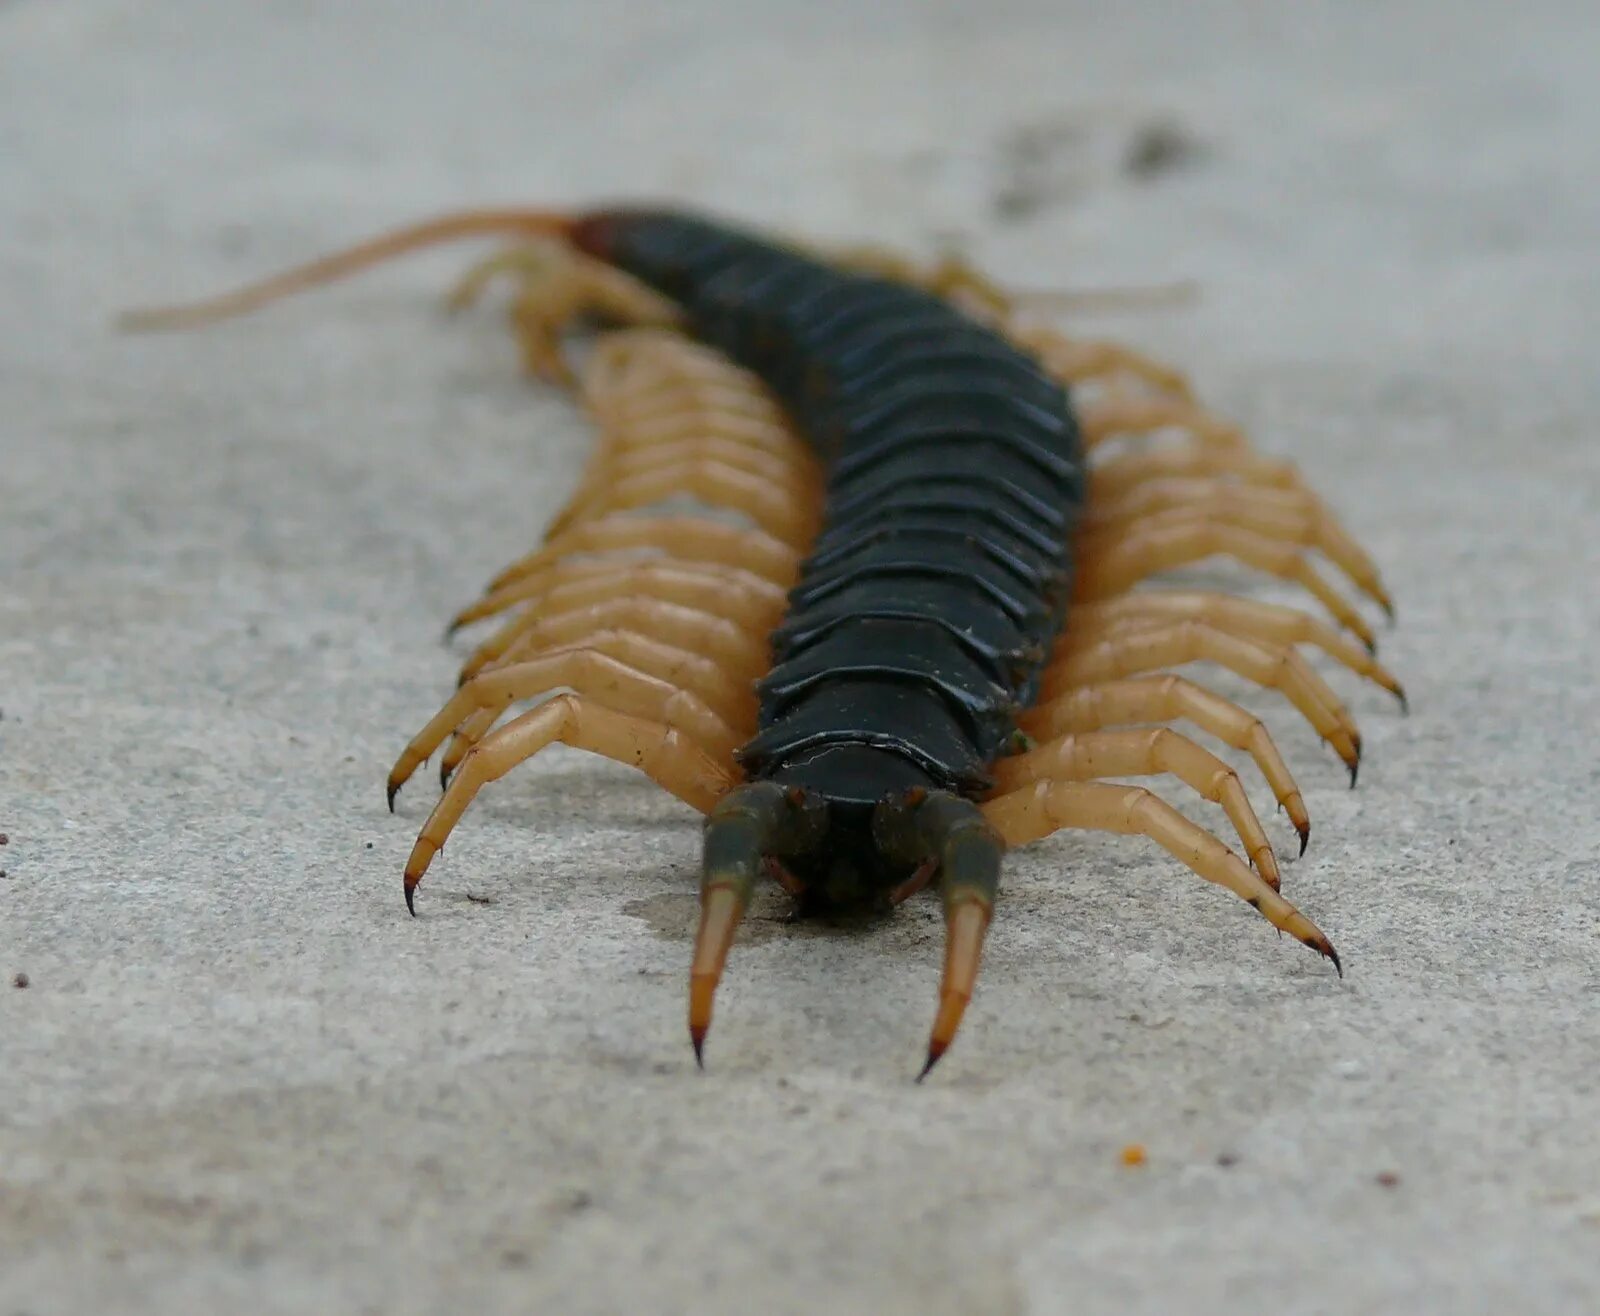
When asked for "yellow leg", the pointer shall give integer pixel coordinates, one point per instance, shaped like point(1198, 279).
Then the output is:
point(1169, 698)
point(1036, 811)
point(1249, 619)
point(556, 287)
point(1131, 653)
point(683, 538)
point(1272, 514)
point(1141, 753)
point(667, 756)
point(1113, 564)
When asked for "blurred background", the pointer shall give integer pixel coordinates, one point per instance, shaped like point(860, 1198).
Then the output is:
point(241, 1079)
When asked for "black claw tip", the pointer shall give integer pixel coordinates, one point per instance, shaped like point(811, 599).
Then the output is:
point(411, 898)
point(1405, 704)
point(1305, 838)
point(698, 1037)
point(1355, 768)
point(1388, 611)
point(392, 791)
point(934, 1052)
point(450, 631)
point(444, 776)
point(1372, 644)
point(1334, 956)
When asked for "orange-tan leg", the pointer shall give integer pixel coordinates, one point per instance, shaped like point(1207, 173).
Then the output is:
point(665, 410)
point(731, 700)
point(636, 455)
point(647, 386)
point(667, 756)
point(684, 538)
point(1133, 652)
point(732, 647)
point(596, 676)
point(1091, 635)
point(1170, 698)
point(774, 509)
point(1112, 564)
point(1279, 514)
point(1106, 418)
point(1242, 511)
point(1038, 810)
point(1249, 619)
point(555, 287)
point(1082, 360)
point(723, 591)
point(1141, 753)
point(788, 500)
point(656, 428)
point(1117, 476)
point(1095, 637)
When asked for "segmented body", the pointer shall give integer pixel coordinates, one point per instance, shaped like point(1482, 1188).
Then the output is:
point(876, 679)
point(917, 630)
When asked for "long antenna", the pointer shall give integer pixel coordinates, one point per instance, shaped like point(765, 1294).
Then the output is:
point(340, 264)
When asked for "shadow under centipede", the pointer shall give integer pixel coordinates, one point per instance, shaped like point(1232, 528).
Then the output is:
point(674, 916)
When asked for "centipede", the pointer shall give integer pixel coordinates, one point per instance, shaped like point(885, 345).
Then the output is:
point(865, 568)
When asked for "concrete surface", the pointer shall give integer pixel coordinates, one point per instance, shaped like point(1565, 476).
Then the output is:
point(241, 1079)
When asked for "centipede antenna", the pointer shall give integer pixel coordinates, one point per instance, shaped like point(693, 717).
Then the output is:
point(341, 264)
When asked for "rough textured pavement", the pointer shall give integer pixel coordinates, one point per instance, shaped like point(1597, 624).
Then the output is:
point(241, 1079)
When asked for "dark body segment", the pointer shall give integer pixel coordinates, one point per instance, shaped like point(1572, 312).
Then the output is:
point(954, 482)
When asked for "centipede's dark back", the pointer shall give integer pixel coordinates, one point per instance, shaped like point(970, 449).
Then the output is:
point(923, 643)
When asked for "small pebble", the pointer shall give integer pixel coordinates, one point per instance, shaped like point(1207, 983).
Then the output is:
point(20, 981)
point(1133, 1154)
point(1388, 1179)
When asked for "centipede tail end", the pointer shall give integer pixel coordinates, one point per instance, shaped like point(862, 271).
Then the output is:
point(749, 826)
point(952, 832)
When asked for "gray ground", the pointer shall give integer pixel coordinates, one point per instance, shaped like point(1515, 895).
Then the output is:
point(241, 1079)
